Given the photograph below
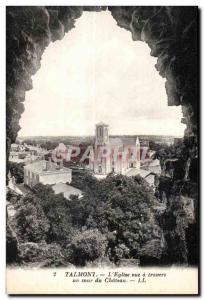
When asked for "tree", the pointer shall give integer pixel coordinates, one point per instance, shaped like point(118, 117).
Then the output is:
point(42, 254)
point(87, 245)
point(31, 223)
point(17, 171)
point(121, 208)
point(84, 181)
point(57, 211)
point(114, 218)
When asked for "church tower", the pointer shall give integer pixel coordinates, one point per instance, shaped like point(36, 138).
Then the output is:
point(101, 164)
point(101, 134)
point(137, 153)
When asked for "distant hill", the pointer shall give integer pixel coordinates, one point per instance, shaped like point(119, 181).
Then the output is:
point(76, 140)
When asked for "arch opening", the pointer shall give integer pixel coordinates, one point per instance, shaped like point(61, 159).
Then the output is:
point(30, 30)
point(171, 34)
point(87, 74)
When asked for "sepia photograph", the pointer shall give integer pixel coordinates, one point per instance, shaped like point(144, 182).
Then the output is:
point(102, 150)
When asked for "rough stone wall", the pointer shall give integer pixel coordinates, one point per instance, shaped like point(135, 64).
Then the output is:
point(179, 221)
point(171, 33)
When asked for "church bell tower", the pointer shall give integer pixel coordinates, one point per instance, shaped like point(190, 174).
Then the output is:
point(101, 164)
point(101, 134)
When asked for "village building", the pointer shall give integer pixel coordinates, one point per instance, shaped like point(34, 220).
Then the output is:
point(26, 153)
point(36, 150)
point(46, 172)
point(17, 148)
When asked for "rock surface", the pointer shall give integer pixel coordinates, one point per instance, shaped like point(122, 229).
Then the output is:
point(171, 33)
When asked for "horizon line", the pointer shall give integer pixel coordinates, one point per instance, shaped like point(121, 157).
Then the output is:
point(163, 135)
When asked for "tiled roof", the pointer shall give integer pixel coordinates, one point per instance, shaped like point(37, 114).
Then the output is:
point(128, 141)
point(40, 167)
point(124, 140)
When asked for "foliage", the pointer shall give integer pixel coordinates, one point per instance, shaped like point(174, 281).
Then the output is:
point(11, 245)
point(17, 171)
point(121, 208)
point(157, 146)
point(31, 222)
point(113, 219)
point(122, 251)
point(49, 145)
point(57, 211)
point(30, 142)
point(84, 181)
point(42, 254)
point(12, 197)
point(173, 151)
point(174, 221)
point(87, 245)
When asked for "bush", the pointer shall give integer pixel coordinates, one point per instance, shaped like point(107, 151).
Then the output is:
point(57, 211)
point(115, 218)
point(41, 254)
point(31, 223)
point(86, 246)
point(121, 208)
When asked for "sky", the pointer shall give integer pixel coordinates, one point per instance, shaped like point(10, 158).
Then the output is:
point(98, 73)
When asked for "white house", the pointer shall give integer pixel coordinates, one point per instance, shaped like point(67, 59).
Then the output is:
point(46, 172)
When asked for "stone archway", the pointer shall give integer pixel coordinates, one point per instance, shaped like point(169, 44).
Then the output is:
point(170, 32)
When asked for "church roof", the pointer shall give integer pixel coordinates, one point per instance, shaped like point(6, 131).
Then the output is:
point(116, 141)
point(128, 141)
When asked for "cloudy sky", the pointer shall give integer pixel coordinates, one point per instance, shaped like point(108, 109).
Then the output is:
point(97, 73)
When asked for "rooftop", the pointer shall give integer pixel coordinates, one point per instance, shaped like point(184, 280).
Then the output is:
point(128, 141)
point(43, 166)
